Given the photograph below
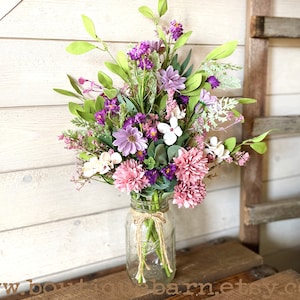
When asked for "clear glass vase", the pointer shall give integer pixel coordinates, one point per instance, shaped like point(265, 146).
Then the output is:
point(150, 241)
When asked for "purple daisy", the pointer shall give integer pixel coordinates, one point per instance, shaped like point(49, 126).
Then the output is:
point(176, 29)
point(171, 80)
point(129, 140)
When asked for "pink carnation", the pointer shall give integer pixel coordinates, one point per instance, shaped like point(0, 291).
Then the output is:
point(130, 176)
point(189, 195)
point(191, 165)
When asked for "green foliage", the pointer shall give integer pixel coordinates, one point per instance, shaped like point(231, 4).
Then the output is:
point(222, 51)
point(79, 47)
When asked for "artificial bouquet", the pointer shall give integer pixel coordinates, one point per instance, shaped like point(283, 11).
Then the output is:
point(157, 134)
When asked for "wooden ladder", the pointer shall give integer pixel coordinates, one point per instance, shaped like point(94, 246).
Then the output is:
point(254, 210)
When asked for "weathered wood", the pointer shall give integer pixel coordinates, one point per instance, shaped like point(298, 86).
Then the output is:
point(201, 264)
point(256, 59)
point(272, 211)
point(279, 124)
point(274, 27)
point(280, 286)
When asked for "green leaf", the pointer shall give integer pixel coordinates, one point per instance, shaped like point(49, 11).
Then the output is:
point(193, 82)
point(185, 62)
point(160, 155)
point(67, 93)
point(129, 105)
point(89, 117)
point(222, 51)
point(150, 163)
point(99, 104)
point(74, 84)
point(260, 147)
point(182, 40)
point(173, 152)
point(122, 61)
point(74, 108)
point(230, 143)
point(106, 140)
point(89, 106)
point(117, 70)
point(162, 7)
point(247, 100)
point(80, 47)
point(110, 93)
point(105, 80)
point(147, 12)
point(260, 137)
point(89, 26)
point(85, 156)
point(151, 149)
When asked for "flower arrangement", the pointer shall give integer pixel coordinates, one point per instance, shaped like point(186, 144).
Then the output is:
point(157, 134)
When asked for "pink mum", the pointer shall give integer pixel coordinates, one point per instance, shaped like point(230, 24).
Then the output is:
point(189, 195)
point(130, 176)
point(191, 166)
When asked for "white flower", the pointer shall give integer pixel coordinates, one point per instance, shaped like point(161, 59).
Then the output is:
point(217, 149)
point(170, 132)
point(102, 165)
point(179, 114)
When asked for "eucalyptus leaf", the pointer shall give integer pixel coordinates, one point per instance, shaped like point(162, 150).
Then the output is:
point(89, 26)
point(80, 47)
point(105, 80)
point(160, 155)
point(260, 147)
point(222, 51)
point(173, 152)
point(151, 149)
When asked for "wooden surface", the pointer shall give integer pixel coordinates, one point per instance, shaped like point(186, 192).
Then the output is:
point(274, 27)
point(201, 264)
point(272, 211)
point(256, 60)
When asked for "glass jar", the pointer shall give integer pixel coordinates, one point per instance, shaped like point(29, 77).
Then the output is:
point(150, 241)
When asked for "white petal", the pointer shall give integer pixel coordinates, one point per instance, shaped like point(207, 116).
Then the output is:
point(178, 131)
point(105, 156)
point(116, 158)
point(163, 127)
point(219, 150)
point(173, 122)
point(213, 141)
point(170, 138)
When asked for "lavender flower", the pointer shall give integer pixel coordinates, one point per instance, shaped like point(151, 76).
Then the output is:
point(171, 80)
point(176, 30)
point(129, 140)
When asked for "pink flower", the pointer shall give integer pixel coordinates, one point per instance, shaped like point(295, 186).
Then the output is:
point(189, 195)
point(241, 157)
point(130, 176)
point(191, 165)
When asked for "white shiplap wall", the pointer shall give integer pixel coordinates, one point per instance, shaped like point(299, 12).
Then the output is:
point(50, 230)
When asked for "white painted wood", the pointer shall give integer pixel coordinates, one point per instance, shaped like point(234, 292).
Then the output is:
point(36, 78)
point(47, 19)
point(7, 6)
point(57, 246)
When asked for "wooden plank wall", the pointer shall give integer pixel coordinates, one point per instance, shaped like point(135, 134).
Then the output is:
point(48, 230)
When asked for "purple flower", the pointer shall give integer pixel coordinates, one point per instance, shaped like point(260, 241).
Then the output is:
point(140, 118)
point(206, 98)
point(152, 175)
point(169, 171)
point(213, 81)
point(184, 99)
point(171, 80)
point(145, 63)
point(152, 133)
point(176, 30)
point(137, 52)
point(141, 155)
point(100, 117)
point(111, 105)
point(129, 140)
